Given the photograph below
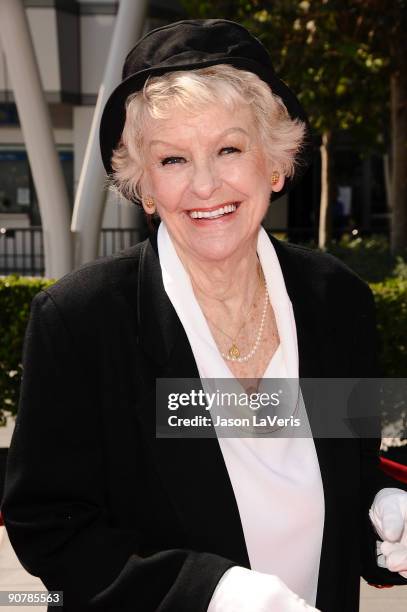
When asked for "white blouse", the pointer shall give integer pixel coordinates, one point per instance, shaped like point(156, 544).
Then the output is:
point(276, 480)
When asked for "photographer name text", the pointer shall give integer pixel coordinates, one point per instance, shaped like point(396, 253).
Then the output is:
point(253, 421)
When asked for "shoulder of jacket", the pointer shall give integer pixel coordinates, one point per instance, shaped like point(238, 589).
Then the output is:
point(96, 283)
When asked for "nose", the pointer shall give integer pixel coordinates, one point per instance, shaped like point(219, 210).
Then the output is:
point(205, 179)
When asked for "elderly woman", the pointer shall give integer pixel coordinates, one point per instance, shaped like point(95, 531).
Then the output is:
point(202, 132)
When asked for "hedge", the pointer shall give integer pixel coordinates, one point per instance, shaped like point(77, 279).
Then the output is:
point(391, 311)
point(369, 257)
point(16, 294)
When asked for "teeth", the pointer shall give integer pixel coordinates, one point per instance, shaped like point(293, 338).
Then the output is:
point(211, 214)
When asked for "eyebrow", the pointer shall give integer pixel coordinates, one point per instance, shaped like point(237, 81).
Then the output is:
point(228, 131)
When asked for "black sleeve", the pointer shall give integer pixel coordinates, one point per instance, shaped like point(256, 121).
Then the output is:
point(54, 504)
point(373, 479)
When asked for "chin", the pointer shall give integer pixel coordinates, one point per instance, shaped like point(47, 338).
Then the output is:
point(215, 251)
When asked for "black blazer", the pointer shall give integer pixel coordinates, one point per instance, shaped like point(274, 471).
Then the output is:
point(98, 507)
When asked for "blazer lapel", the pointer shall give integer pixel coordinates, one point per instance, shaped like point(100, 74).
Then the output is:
point(192, 470)
point(313, 334)
point(306, 311)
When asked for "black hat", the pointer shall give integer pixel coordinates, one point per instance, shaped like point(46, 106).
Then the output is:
point(188, 45)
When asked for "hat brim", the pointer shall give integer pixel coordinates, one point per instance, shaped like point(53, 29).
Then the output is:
point(114, 114)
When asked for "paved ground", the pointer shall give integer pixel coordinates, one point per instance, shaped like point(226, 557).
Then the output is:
point(383, 600)
point(14, 577)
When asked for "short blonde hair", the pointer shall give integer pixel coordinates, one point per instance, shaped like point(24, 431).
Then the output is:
point(280, 135)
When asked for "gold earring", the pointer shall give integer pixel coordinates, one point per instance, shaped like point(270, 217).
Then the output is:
point(149, 203)
point(275, 177)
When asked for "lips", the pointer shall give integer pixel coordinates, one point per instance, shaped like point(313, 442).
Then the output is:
point(214, 213)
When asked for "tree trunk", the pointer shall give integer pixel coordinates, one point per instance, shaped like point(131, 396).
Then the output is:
point(324, 233)
point(387, 180)
point(398, 100)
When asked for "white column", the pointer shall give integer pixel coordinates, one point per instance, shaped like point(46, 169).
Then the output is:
point(90, 195)
point(38, 136)
point(82, 121)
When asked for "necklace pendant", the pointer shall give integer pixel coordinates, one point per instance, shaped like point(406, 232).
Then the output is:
point(234, 351)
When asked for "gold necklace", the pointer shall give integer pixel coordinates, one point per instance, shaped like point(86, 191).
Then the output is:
point(233, 353)
point(243, 358)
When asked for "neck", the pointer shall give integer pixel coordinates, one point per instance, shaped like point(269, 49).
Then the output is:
point(224, 289)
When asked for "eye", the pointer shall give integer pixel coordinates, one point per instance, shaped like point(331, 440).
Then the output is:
point(171, 160)
point(230, 150)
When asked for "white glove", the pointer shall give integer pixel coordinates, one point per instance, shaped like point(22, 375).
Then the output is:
point(389, 517)
point(244, 590)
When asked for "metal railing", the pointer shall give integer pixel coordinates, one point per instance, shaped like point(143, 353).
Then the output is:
point(22, 251)
point(117, 239)
point(22, 248)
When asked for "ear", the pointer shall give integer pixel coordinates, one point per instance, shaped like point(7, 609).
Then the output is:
point(148, 204)
point(279, 184)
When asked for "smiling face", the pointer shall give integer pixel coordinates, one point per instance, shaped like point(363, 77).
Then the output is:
point(209, 180)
